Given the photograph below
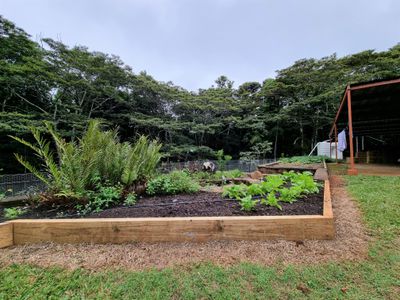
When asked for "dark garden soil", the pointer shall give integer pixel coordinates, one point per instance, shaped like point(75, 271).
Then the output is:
point(199, 204)
point(209, 204)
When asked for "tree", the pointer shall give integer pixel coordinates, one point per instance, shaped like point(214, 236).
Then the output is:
point(69, 86)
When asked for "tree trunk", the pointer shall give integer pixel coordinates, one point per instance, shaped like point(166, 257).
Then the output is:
point(276, 141)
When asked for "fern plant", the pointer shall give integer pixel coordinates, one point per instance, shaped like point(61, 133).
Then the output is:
point(98, 155)
point(42, 150)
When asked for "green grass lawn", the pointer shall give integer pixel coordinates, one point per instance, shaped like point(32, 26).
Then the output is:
point(376, 278)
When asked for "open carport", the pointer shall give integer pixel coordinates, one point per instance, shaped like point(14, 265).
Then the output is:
point(369, 113)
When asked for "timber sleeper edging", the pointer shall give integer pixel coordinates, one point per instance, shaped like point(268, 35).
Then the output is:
point(173, 229)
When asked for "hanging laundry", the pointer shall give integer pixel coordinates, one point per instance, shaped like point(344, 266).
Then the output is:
point(342, 143)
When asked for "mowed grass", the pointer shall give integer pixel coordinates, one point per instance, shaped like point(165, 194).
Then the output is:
point(376, 278)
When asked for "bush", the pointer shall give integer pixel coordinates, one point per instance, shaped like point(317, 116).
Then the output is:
point(104, 197)
point(222, 159)
point(97, 155)
point(176, 182)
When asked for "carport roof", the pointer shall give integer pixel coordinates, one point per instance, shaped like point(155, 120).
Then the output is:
point(375, 108)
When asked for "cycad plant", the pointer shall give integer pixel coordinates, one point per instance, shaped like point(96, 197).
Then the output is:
point(97, 157)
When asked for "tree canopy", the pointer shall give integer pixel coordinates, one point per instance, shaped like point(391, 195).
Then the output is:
point(68, 86)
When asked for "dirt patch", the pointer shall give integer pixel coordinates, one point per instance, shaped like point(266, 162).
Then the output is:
point(209, 204)
point(350, 244)
point(189, 205)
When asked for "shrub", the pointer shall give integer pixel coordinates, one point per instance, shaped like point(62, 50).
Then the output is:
point(97, 155)
point(222, 159)
point(104, 197)
point(13, 212)
point(175, 182)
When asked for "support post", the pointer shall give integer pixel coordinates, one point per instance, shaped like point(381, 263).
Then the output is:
point(352, 170)
point(336, 143)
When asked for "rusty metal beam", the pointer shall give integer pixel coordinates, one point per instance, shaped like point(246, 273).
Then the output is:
point(352, 170)
point(336, 143)
point(375, 84)
point(339, 110)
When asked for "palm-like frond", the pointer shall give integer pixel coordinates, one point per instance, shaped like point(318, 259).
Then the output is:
point(31, 168)
point(98, 155)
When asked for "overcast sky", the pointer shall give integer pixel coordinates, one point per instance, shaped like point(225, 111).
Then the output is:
point(193, 42)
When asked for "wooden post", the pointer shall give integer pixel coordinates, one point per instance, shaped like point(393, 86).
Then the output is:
point(336, 143)
point(352, 170)
point(6, 234)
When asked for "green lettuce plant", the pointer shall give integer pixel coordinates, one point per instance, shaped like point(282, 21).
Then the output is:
point(247, 203)
point(286, 187)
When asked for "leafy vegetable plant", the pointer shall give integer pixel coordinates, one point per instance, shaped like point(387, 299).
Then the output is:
point(286, 187)
point(235, 191)
point(273, 183)
point(247, 203)
point(273, 201)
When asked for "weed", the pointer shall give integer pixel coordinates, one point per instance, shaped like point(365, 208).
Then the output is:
point(130, 199)
point(13, 212)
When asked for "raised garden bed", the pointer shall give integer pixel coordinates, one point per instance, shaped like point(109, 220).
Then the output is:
point(278, 167)
point(314, 224)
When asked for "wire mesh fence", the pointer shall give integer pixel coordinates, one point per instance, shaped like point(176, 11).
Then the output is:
point(15, 185)
point(196, 165)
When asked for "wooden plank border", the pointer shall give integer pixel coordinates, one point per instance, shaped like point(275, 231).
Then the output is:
point(176, 229)
point(6, 234)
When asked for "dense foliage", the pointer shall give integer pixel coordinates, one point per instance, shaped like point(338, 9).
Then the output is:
point(47, 80)
point(95, 169)
point(176, 182)
point(286, 187)
point(304, 160)
point(218, 175)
